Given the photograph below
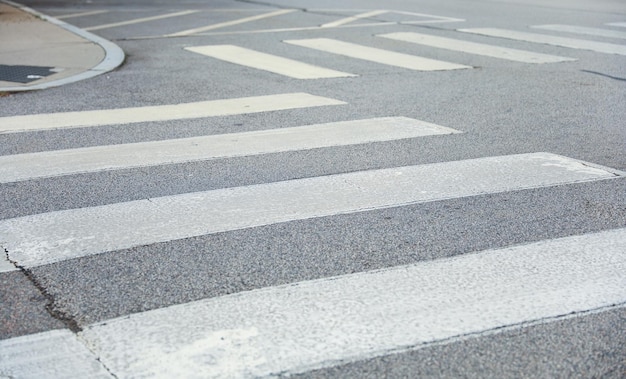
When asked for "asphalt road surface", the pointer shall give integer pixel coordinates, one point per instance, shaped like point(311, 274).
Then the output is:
point(322, 189)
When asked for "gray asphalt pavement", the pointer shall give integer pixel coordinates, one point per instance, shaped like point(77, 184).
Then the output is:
point(574, 109)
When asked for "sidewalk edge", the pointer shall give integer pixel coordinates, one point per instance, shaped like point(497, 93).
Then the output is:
point(113, 55)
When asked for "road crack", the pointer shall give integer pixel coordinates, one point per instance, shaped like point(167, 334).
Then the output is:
point(68, 320)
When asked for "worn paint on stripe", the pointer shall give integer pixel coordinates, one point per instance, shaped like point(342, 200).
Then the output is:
point(50, 237)
point(53, 354)
point(298, 327)
point(267, 62)
point(211, 108)
point(583, 30)
point(476, 48)
point(620, 24)
point(230, 23)
point(5, 265)
point(371, 54)
point(81, 14)
point(99, 158)
point(572, 43)
point(140, 20)
point(348, 20)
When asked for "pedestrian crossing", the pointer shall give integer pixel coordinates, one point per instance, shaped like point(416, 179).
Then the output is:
point(376, 55)
point(476, 48)
point(310, 324)
point(304, 325)
point(30, 166)
point(210, 108)
point(301, 70)
point(267, 62)
point(572, 43)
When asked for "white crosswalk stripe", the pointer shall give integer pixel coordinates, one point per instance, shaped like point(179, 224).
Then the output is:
point(619, 24)
point(199, 109)
point(372, 54)
point(99, 158)
point(572, 43)
point(303, 326)
point(475, 48)
point(267, 62)
point(582, 30)
point(50, 237)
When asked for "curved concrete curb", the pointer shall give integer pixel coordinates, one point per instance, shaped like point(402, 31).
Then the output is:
point(113, 54)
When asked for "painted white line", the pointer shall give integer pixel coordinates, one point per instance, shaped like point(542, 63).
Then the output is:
point(476, 48)
point(371, 54)
point(211, 108)
point(81, 14)
point(267, 62)
point(620, 24)
point(572, 43)
point(348, 20)
point(50, 237)
point(140, 20)
point(230, 23)
point(99, 158)
point(5, 266)
point(582, 30)
point(435, 18)
point(53, 354)
point(303, 326)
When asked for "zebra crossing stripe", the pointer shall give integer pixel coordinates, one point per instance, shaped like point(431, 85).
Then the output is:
point(268, 62)
point(572, 43)
point(50, 237)
point(298, 327)
point(52, 354)
point(620, 24)
point(475, 48)
point(211, 108)
point(99, 158)
point(582, 30)
point(372, 54)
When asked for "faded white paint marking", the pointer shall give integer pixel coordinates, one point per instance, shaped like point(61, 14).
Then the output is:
point(53, 354)
point(371, 54)
point(99, 158)
point(572, 43)
point(230, 23)
point(268, 62)
point(50, 237)
point(302, 326)
point(5, 265)
point(81, 14)
point(348, 20)
point(140, 20)
point(583, 30)
point(620, 24)
point(476, 48)
point(200, 109)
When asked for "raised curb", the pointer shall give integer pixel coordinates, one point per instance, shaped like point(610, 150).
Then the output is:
point(113, 55)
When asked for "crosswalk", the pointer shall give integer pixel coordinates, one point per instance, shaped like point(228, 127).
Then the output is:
point(304, 325)
point(287, 329)
point(451, 40)
point(301, 70)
